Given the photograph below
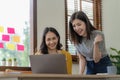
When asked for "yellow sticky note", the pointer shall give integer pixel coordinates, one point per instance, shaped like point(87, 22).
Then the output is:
point(10, 46)
point(1, 29)
point(16, 38)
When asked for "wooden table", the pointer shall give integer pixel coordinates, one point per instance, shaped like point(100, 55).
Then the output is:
point(28, 76)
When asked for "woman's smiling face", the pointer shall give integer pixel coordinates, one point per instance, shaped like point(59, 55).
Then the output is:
point(51, 40)
point(79, 27)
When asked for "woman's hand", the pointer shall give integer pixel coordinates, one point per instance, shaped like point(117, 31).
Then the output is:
point(98, 39)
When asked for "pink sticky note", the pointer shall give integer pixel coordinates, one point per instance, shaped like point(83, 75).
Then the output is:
point(11, 30)
point(20, 47)
point(5, 37)
point(1, 45)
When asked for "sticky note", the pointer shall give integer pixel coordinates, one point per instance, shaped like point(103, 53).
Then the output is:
point(1, 45)
point(10, 46)
point(16, 38)
point(20, 47)
point(5, 37)
point(11, 30)
point(1, 29)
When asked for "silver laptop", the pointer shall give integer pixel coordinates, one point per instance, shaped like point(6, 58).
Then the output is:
point(48, 63)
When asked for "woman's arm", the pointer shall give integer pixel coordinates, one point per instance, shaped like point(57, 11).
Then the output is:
point(82, 63)
point(68, 60)
point(96, 51)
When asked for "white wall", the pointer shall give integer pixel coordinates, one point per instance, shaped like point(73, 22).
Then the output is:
point(51, 13)
point(111, 22)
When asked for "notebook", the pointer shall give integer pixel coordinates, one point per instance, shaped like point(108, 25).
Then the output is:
point(48, 63)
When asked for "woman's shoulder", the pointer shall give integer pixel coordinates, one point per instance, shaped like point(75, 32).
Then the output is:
point(65, 52)
point(97, 32)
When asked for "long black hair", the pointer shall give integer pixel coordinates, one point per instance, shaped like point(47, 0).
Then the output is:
point(74, 37)
point(43, 46)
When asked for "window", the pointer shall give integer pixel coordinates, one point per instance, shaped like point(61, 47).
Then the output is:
point(15, 31)
point(91, 8)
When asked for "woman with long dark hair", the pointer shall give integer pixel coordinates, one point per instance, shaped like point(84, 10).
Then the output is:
point(89, 43)
point(51, 45)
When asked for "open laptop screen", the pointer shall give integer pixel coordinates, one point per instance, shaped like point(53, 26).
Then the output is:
point(48, 63)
